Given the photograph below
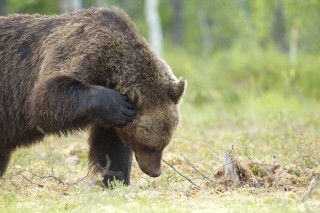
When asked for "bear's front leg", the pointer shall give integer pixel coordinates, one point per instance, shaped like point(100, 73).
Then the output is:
point(63, 103)
point(4, 160)
point(109, 155)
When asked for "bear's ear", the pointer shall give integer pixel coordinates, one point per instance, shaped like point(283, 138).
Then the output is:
point(177, 91)
point(135, 97)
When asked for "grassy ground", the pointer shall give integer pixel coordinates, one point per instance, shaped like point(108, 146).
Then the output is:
point(40, 179)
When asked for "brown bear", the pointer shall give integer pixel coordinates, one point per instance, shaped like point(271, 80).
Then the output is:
point(88, 69)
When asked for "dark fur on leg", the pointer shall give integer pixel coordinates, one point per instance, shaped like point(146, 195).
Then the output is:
point(109, 155)
point(4, 161)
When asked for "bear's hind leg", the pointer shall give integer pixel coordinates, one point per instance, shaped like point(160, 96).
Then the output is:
point(4, 161)
point(109, 155)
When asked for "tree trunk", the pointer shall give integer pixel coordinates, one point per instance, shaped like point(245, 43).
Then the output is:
point(3, 7)
point(178, 23)
point(293, 51)
point(70, 5)
point(206, 32)
point(154, 24)
point(279, 29)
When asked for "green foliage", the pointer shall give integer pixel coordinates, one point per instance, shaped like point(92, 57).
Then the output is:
point(33, 6)
point(242, 70)
point(227, 23)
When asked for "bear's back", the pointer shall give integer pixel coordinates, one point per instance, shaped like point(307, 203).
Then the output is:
point(25, 47)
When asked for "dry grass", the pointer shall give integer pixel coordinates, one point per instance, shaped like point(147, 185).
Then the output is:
point(52, 176)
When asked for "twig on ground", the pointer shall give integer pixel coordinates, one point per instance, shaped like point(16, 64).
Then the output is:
point(81, 179)
point(246, 153)
point(197, 170)
point(60, 181)
point(57, 179)
point(66, 183)
point(313, 184)
point(167, 179)
point(39, 185)
point(188, 179)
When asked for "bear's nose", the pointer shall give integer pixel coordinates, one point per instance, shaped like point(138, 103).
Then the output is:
point(155, 173)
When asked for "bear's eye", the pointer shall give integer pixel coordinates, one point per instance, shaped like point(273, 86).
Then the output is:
point(148, 149)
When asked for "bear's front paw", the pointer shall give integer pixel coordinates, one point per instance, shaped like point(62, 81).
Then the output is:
point(120, 108)
point(113, 109)
point(113, 178)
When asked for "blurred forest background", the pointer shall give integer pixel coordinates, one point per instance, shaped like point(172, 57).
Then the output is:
point(249, 58)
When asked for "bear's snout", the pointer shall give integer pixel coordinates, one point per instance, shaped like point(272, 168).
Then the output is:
point(149, 163)
point(155, 172)
point(149, 170)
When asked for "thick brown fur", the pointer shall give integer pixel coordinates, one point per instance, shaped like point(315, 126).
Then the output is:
point(57, 71)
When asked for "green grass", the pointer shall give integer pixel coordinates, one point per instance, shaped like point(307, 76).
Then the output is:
point(291, 137)
point(258, 117)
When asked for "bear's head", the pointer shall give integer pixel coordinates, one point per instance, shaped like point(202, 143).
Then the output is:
point(152, 129)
